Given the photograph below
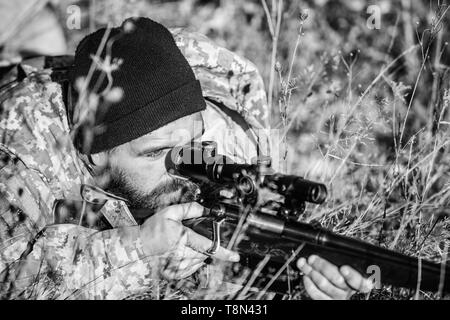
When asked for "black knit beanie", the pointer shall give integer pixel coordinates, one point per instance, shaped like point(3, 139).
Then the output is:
point(158, 83)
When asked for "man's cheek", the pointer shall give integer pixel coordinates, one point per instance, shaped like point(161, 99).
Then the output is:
point(145, 183)
point(149, 174)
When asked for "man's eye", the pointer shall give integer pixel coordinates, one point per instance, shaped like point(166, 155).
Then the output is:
point(154, 154)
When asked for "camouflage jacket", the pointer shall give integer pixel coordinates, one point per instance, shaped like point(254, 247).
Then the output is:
point(42, 258)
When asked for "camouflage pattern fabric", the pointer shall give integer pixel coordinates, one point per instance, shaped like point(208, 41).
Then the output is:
point(229, 79)
point(225, 76)
point(39, 165)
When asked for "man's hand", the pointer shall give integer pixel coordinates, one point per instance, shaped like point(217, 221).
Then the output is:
point(325, 281)
point(179, 250)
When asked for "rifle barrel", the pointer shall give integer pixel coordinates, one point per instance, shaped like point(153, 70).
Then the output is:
point(395, 268)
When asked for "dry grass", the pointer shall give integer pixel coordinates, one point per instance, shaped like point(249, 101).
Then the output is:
point(388, 173)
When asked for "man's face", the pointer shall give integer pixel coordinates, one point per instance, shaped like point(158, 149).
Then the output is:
point(138, 172)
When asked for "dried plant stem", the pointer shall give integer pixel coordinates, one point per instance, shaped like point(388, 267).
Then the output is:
point(275, 34)
point(84, 91)
point(280, 271)
point(371, 85)
point(291, 66)
point(269, 19)
point(402, 130)
point(253, 277)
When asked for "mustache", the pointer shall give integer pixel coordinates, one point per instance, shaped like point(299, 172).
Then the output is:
point(143, 204)
point(174, 185)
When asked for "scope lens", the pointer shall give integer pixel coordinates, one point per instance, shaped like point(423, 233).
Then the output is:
point(246, 185)
point(318, 194)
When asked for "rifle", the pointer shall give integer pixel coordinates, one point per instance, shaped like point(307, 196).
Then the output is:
point(235, 197)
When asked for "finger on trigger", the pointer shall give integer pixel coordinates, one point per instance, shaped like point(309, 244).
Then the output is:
point(180, 212)
point(203, 244)
point(226, 255)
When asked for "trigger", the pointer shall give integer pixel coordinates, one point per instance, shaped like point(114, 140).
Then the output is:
point(216, 237)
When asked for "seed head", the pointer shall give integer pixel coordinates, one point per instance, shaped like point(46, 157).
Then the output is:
point(303, 15)
point(277, 66)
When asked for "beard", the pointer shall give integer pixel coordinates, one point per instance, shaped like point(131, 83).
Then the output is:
point(143, 204)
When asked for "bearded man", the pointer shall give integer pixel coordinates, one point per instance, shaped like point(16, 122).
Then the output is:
point(137, 98)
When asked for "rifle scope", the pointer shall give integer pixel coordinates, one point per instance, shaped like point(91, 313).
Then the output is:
point(201, 163)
